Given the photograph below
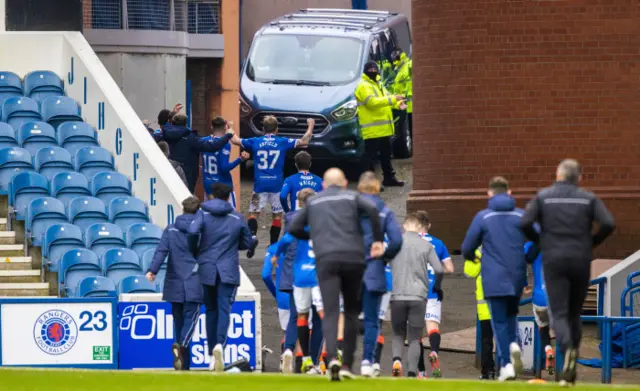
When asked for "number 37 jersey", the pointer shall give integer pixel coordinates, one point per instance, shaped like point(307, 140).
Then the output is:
point(269, 154)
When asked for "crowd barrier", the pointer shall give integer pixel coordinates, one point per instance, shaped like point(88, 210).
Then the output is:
point(102, 333)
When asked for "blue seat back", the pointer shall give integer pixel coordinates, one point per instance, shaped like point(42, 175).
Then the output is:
point(23, 188)
point(58, 239)
point(86, 211)
point(42, 84)
point(35, 135)
point(76, 265)
point(135, 284)
point(10, 86)
point(7, 136)
point(143, 237)
point(92, 160)
point(147, 259)
point(66, 186)
point(125, 211)
point(73, 135)
point(42, 213)
point(119, 263)
point(12, 161)
point(96, 287)
point(58, 109)
point(50, 161)
point(103, 237)
point(18, 110)
point(110, 185)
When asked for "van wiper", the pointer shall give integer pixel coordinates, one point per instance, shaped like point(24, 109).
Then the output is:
point(312, 83)
point(296, 82)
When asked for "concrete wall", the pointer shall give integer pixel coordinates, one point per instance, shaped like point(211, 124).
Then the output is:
point(255, 13)
point(150, 82)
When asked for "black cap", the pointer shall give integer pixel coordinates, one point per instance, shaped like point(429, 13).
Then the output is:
point(371, 64)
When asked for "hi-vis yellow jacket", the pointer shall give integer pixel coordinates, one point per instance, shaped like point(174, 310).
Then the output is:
point(472, 270)
point(375, 109)
point(403, 84)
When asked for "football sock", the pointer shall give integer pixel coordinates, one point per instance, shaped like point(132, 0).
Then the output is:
point(434, 340)
point(276, 227)
point(253, 225)
point(303, 336)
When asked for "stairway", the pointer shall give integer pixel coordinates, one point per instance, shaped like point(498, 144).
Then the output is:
point(19, 275)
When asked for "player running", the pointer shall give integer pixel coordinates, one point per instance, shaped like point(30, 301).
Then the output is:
point(282, 298)
point(434, 306)
point(215, 165)
point(269, 154)
point(296, 182)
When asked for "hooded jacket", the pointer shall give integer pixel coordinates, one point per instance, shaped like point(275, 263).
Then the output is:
point(181, 282)
point(497, 230)
point(222, 233)
point(179, 171)
point(185, 147)
point(374, 275)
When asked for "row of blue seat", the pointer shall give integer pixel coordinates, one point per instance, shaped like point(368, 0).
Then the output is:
point(37, 85)
point(32, 135)
point(116, 264)
point(53, 110)
point(106, 287)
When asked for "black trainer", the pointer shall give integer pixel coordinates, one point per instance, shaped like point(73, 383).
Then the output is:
point(177, 356)
point(252, 251)
point(569, 369)
point(334, 370)
point(393, 182)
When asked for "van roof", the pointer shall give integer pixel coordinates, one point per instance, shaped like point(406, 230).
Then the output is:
point(334, 20)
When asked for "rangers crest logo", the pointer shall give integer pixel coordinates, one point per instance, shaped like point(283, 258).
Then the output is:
point(55, 332)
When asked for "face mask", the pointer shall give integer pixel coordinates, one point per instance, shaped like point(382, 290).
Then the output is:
point(372, 75)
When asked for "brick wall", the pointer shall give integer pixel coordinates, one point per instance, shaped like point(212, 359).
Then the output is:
point(511, 87)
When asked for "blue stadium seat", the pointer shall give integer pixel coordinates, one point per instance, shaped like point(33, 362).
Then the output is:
point(147, 258)
point(58, 239)
point(18, 110)
point(86, 211)
point(91, 160)
point(73, 135)
point(40, 85)
point(7, 136)
point(50, 161)
point(66, 186)
point(119, 263)
point(135, 284)
point(10, 86)
point(12, 162)
point(42, 213)
point(110, 185)
point(125, 211)
point(35, 135)
point(96, 287)
point(76, 265)
point(102, 237)
point(58, 109)
point(25, 187)
point(143, 237)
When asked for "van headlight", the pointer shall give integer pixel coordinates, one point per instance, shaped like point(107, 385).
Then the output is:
point(245, 109)
point(346, 112)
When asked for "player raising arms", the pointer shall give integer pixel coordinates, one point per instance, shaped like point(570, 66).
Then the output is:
point(269, 154)
point(434, 303)
point(215, 165)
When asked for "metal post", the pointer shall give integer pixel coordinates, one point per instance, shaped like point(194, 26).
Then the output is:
point(172, 15)
point(537, 352)
point(188, 103)
point(125, 15)
point(606, 353)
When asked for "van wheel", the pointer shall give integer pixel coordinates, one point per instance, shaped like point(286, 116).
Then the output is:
point(403, 142)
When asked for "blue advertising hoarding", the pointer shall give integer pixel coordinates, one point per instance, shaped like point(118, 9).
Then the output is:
point(146, 335)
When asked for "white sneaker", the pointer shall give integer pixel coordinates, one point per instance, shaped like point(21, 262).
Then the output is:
point(507, 373)
point(366, 369)
point(346, 374)
point(314, 371)
point(376, 370)
point(287, 361)
point(516, 357)
point(212, 363)
point(218, 359)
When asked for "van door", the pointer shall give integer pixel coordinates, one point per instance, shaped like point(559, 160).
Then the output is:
point(403, 36)
point(387, 44)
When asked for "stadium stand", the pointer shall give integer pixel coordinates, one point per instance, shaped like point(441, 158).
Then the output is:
point(96, 287)
point(58, 239)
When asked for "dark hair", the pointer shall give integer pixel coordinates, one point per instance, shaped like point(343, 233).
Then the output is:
point(396, 54)
point(163, 117)
point(179, 119)
point(164, 147)
point(190, 205)
point(498, 185)
point(423, 216)
point(221, 191)
point(303, 160)
point(304, 194)
point(218, 124)
point(269, 124)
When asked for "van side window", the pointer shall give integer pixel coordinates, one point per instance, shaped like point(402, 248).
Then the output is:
point(374, 51)
point(403, 37)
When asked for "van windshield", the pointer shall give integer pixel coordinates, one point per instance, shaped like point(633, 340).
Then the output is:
point(305, 59)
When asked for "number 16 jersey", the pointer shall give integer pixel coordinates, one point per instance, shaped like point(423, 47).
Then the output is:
point(269, 154)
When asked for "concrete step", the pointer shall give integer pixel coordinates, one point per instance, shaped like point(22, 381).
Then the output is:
point(15, 263)
point(24, 289)
point(7, 237)
point(11, 250)
point(19, 276)
point(3, 224)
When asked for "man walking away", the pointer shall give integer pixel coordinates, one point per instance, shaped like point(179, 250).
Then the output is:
point(497, 230)
point(222, 233)
point(296, 182)
point(410, 288)
point(333, 220)
point(374, 282)
point(566, 214)
point(182, 286)
point(164, 147)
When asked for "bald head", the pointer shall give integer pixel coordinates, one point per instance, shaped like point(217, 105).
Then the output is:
point(334, 177)
point(569, 170)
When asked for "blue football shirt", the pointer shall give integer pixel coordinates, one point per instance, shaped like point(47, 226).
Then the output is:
point(296, 182)
point(269, 154)
point(216, 167)
point(442, 252)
